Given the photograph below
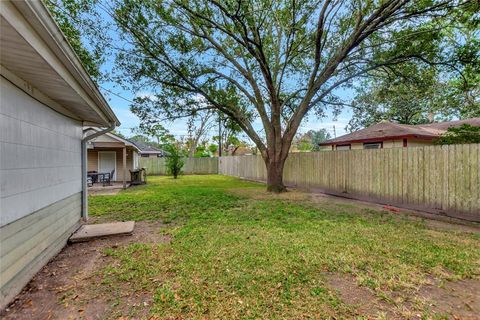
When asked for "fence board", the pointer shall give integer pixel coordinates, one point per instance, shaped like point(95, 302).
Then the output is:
point(442, 178)
point(156, 166)
point(445, 179)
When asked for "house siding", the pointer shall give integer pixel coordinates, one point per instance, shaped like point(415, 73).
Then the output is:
point(40, 186)
point(419, 143)
point(387, 144)
point(30, 242)
point(40, 158)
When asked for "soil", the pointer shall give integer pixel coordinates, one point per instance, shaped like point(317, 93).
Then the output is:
point(49, 294)
point(451, 300)
point(361, 299)
point(458, 299)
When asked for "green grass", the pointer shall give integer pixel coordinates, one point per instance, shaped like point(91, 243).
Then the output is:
point(237, 252)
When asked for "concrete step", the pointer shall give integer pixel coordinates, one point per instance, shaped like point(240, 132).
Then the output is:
point(94, 231)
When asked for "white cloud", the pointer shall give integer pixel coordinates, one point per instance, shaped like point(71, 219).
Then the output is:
point(145, 94)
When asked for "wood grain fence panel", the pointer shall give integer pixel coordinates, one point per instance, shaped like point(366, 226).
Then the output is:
point(475, 160)
point(444, 178)
point(157, 166)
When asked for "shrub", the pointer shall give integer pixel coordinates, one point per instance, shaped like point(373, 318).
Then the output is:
point(174, 161)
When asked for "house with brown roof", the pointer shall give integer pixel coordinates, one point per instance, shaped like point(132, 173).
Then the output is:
point(391, 135)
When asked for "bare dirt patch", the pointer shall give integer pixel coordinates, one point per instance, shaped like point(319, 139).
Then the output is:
point(451, 300)
point(361, 299)
point(457, 299)
point(61, 289)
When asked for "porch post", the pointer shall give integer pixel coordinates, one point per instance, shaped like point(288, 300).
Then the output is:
point(124, 167)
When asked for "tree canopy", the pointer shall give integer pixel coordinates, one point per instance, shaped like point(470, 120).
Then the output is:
point(465, 133)
point(69, 15)
point(310, 140)
point(272, 62)
point(421, 91)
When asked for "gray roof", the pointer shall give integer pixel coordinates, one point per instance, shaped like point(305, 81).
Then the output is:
point(145, 147)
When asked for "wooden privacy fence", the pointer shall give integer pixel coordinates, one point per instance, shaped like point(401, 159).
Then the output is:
point(441, 179)
point(156, 166)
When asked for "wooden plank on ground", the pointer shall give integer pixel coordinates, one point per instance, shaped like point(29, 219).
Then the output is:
point(93, 231)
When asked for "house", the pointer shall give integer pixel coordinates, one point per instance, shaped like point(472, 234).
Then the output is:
point(148, 151)
point(390, 135)
point(111, 153)
point(46, 99)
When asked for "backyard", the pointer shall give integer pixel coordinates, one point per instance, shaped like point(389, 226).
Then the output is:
point(216, 247)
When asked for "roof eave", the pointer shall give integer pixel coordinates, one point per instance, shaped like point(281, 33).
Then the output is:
point(58, 43)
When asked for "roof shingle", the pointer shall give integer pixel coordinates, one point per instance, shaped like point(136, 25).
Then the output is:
point(385, 130)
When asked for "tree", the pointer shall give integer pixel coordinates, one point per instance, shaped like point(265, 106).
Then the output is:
point(411, 99)
point(463, 134)
point(275, 61)
point(198, 126)
point(155, 131)
point(69, 16)
point(310, 140)
point(420, 92)
point(229, 136)
point(140, 138)
point(174, 160)
point(118, 133)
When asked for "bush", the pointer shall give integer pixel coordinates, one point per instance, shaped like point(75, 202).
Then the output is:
point(464, 134)
point(174, 161)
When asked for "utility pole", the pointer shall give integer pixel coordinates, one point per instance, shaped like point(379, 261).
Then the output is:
point(334, 132)
point(219, 134)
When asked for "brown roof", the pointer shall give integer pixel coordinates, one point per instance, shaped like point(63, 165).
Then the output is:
point(387, 130)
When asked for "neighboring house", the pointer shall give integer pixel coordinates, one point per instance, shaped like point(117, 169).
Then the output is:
point(390, 135)
point(109, 152)
point(148, 151)
point(46, 99)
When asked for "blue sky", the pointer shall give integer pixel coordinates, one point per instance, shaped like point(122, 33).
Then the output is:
point(117, 98)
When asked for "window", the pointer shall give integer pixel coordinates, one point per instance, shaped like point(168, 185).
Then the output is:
point(143, 155)
point(344, 146)
point(373, 145)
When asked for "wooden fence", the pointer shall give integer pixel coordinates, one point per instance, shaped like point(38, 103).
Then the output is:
point(441, 179)
point(156, 166)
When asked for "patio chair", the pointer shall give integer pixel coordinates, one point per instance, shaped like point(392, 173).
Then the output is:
point(107, 180)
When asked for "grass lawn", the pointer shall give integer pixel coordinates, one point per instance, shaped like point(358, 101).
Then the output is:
point(238, 252)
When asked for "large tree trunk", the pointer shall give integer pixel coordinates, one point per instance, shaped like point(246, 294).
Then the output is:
point(275, 174)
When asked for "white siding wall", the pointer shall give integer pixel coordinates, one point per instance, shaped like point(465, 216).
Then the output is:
point(40, 155)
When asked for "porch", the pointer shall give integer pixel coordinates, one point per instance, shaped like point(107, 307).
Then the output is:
point(114, 157)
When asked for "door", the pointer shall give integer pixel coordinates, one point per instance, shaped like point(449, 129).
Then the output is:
point(107, 161)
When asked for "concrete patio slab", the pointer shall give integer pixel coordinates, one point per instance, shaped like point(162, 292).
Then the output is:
point(93, 231)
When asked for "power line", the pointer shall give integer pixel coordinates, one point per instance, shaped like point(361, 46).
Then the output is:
point(116, 94)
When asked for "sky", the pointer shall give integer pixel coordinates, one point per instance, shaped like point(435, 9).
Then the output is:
point(120, 100)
